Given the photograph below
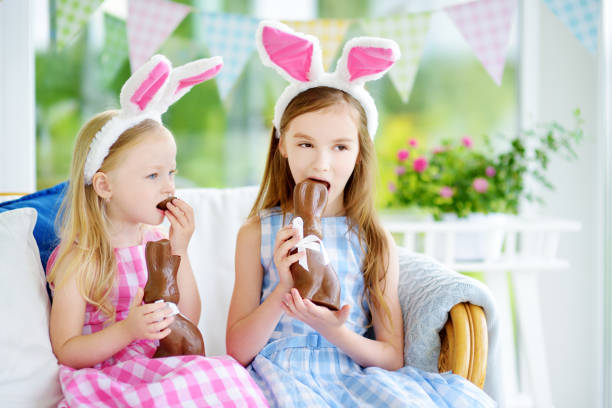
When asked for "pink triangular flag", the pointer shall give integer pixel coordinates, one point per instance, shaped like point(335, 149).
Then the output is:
point(149, 23)
point(486, 25)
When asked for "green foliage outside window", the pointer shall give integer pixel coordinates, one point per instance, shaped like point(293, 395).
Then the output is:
point(223, 143)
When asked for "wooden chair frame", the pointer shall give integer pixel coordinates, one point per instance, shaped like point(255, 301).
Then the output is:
point(464, 343)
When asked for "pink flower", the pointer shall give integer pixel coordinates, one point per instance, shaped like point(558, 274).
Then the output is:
point(480, 184)
point(438, 149)
point(446, 192)
point(467, 141)
point(419, 164)
point(399, 170)
point(490, 171)
point(392, 187)
point(413, 142)
point(403, 154)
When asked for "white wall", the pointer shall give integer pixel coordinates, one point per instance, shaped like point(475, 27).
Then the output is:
point(17, 140)
point(605, 124)
point(567, 78)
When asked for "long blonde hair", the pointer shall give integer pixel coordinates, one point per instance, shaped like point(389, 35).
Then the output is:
point(85, 245)
point(277, 187)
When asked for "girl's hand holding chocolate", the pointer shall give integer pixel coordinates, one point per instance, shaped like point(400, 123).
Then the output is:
point(182, 224)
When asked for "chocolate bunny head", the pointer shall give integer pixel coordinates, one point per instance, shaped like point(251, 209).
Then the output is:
point(162, 267)
point(309, 201)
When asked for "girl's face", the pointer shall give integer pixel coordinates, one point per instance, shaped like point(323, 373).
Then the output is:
point(323, 145)
point(144, 177)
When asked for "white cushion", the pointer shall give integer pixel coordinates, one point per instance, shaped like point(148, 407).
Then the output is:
point(28, 367)
point(219, 213)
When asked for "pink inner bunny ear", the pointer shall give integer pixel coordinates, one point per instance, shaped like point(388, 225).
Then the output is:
point(291, 53)
point(196, 79)
point(363, 61)
point(149, 87)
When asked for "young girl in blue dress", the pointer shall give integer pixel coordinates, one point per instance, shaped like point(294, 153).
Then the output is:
point(302, 354)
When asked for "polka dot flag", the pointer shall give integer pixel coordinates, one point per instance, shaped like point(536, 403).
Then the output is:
point(70, 16)
point(409, 31)
point(581, 17)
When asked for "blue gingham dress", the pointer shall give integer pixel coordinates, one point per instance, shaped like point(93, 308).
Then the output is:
point(299, 368)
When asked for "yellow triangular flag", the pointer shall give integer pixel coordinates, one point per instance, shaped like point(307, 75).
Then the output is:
point(330, 33)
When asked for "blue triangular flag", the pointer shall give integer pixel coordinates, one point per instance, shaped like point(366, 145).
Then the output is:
point(581, 17)
point(233, 37)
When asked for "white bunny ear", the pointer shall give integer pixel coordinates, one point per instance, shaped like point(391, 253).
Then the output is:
point(185, 77)
point(144, 85)
point(366, 59)
point(296, 56)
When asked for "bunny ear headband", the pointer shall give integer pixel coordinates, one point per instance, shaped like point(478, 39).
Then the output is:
point(297, 58)
point(147, 94)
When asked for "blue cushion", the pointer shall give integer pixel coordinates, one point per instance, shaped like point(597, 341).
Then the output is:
point(46, 203)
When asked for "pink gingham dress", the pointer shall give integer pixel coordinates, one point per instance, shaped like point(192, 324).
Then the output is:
point(133, 378)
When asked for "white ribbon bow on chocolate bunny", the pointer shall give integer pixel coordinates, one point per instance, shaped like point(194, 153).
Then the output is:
point(310, 242)
point(297, 58)
point(147, 94)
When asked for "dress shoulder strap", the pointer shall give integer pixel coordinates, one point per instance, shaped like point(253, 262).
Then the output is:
point(151, 234)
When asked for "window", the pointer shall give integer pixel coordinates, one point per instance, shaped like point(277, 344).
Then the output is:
point(223, 143)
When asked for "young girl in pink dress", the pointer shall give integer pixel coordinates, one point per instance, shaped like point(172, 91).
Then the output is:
point(101, 332)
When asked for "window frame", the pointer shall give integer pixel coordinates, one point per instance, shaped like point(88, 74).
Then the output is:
point(17, 99)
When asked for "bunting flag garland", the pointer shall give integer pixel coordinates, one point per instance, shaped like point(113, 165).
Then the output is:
point(70, 16)
point(233, 37)
point(582, 18)
point(330, 33)
point(149, 23)
point(486, 26)
point(115, 47)
point(409, 31)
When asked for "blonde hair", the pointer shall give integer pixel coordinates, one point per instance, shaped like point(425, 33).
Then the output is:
point(277, 187)
point(85, 245)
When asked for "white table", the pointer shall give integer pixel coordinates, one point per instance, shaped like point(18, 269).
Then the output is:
point(512, 252)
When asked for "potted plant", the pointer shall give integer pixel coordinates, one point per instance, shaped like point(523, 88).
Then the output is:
point(455, 178)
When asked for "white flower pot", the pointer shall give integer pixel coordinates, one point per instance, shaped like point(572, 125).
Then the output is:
point(476, 238)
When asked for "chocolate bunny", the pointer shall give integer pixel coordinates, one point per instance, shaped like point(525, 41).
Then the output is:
point(318, 282)
point(185, 337)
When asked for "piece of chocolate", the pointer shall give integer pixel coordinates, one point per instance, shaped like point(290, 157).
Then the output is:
point(185, 337)
point(319, 283)
point(163, 205)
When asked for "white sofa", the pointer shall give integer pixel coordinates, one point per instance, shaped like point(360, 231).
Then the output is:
point(28, 376)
